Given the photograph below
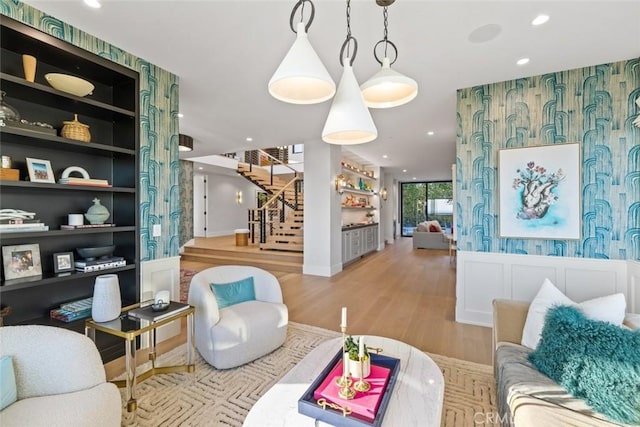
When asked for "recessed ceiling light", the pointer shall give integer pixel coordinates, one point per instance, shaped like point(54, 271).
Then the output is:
point(414, 178)
point(404, 170)
point(522, 61)
point(249, 139)
point(540, 19)
point(93, 3)
point(430, 133)
point(180, 115)
point(200, 168)
point(384, 156)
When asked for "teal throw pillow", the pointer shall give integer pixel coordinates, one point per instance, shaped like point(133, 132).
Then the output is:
point(8, 393)
point(593, 360)
point(234, 292)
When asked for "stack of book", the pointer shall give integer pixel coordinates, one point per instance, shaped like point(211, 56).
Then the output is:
point(77, 227)
point(99, 264)
point(73, 310)
point(84, 181)
point(19, 225)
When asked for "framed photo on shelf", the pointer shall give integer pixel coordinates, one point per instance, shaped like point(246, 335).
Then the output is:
point(21, 261)
point(40, 170)
point(63, 262)
point(539, 192)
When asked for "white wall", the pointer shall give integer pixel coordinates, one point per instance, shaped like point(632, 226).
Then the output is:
point(484, 276)
point(322, 210)
point(223, 213)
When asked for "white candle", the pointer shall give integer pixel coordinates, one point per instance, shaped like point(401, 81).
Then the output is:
point(343, 324)
point(345, 364)
point(361, 347)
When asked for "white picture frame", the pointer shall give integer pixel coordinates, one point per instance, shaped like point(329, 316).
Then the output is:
point(21, 261)
point(539, 192)
point(40, 170)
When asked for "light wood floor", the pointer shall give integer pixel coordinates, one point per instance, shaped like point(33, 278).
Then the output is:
point(402, 293)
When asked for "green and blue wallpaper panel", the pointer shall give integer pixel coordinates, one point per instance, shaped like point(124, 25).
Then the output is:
point(158, 157)
point(593, 106)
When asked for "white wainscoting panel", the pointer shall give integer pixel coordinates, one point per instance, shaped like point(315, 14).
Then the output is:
point(633, 298)
point(159, 275)
point(483, 277)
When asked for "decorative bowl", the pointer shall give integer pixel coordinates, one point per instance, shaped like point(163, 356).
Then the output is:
point(159, 306)
point(90, 254)
point(69, 84)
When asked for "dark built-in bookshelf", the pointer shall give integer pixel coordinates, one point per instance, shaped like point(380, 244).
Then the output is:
point(112, 113)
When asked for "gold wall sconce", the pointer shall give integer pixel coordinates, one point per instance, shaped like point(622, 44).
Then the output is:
point(340, 183)
point(239, 197)
point(383, 193)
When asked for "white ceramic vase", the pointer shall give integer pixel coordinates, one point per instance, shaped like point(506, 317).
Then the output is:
point(106, 298)
point(354, 368)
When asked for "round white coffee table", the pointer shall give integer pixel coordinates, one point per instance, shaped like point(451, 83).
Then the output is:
point(416, 398)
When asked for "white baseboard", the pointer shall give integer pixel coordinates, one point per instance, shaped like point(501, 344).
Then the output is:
point(483, 277)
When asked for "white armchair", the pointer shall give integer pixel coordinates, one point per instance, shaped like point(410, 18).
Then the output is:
point(240, 333)
point(60, 379)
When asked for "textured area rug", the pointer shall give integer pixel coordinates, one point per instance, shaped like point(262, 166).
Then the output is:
point(211, 397)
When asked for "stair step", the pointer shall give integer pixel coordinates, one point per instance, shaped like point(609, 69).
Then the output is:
point(292, 247)
point(290, 267)
point(285, 239)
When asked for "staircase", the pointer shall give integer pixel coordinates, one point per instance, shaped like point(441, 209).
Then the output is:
point(278, 224)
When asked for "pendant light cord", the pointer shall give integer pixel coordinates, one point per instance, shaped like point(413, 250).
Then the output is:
point(349, 39)
point(385, 39)
point(385, 15)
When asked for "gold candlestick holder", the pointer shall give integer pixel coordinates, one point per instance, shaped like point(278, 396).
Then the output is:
point(361, 384)
point(344, 380)
point(346, 392)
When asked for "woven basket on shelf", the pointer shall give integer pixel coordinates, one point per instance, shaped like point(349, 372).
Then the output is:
point(76, 130)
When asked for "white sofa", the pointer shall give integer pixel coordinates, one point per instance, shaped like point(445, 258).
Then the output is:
point(60, 380)
point(240, 333)
point(430, 240)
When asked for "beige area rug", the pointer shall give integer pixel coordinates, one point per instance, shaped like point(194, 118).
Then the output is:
point(211, 397)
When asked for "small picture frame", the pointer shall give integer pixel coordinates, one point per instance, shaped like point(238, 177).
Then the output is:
point(63, 262)
point(40, 170)
point(21, 261)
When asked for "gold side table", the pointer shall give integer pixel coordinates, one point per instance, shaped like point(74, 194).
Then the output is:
point(134, 321)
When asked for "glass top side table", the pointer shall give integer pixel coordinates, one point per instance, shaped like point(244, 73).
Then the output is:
point(134, 321)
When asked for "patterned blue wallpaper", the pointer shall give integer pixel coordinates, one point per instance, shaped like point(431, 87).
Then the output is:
point(159, 162)
point(593, 106)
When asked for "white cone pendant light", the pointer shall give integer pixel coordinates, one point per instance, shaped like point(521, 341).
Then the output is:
point(349, 121)
point(388, 88)
point(301, 77)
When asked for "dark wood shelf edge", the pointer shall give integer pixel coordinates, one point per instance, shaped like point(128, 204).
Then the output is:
point(59, 139)
point(52, 91)
point(59, 278)
point(51, 186)
point(58, 233)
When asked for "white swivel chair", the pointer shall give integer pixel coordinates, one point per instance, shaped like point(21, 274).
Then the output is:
point(240, 333)
point(60, 379)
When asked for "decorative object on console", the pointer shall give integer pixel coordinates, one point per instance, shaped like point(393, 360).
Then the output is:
point(106, 298)
point(7, 112)
point(21, 261)
point(301, 77)
point(73, 129)
point(69, 84)
point(29, 66)
point(40, 170)
point(97, 214)
point(161, 300)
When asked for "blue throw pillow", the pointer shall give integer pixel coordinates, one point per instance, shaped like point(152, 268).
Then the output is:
point(593, 360)
point(8, 393)
point(234, 292)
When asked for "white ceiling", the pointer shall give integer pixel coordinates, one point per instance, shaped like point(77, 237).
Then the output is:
point(225, 52)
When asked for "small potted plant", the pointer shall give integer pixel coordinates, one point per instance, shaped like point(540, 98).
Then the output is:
point(351, 346)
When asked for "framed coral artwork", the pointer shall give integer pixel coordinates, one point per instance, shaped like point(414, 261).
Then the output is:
point(539, 192)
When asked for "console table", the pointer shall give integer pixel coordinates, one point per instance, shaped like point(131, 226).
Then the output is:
point(129, 328)
point(416, 398)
